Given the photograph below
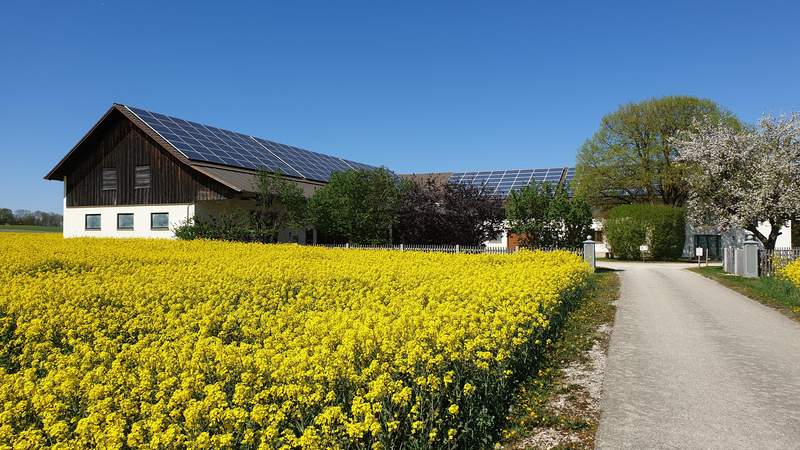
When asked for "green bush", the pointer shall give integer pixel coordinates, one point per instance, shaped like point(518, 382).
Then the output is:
point(662, 228)
point(226, 227)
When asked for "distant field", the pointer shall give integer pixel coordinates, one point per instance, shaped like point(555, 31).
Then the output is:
point(32, 228)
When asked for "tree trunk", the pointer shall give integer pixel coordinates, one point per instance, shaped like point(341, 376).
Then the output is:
point(770, 240)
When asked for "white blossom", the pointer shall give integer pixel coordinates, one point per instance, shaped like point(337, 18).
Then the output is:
point(740, 178)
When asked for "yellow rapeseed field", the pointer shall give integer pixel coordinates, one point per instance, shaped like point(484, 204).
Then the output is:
point(154, 344)
point(792, 272)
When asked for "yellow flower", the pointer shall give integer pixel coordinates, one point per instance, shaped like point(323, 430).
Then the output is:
point(151, 343)
point(468, 389)
point(792, 272)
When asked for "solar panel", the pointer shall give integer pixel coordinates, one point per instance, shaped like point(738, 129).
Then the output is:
point(502, 182)
point(311, 164)
point(569, 176)
point(199, 142)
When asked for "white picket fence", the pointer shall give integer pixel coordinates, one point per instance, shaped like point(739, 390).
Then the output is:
point(770, 261)
point(469, 249)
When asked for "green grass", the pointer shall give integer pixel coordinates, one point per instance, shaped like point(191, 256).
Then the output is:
point(776, 292)
point(532, 406)
point(30, 228)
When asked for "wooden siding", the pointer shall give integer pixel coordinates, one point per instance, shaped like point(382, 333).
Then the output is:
point(117, 143)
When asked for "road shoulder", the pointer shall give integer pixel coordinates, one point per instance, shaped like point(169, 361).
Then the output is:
point(560, 407)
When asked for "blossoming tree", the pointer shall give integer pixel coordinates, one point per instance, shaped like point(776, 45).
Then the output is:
point(743, 178)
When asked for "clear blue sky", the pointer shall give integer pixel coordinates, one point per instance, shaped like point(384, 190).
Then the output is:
point(415, 86)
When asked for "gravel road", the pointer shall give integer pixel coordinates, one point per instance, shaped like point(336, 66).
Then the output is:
point(692, 364)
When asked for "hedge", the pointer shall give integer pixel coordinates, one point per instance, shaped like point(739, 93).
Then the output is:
point(662, 228)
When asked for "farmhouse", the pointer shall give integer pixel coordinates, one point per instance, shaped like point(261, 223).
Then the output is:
point(140, 174)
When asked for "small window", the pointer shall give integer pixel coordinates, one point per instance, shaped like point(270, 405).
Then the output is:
point(125, 221)
point(109, 182)
point(93, 221)
point(159, 221)
point(142, 180)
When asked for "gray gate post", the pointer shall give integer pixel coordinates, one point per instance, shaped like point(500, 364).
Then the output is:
point(750, 257)
point(738, 262)
point(726, 260)
point(588, 251)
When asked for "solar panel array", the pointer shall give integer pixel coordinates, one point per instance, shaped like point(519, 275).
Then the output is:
point(502, 182)
point(199, 142)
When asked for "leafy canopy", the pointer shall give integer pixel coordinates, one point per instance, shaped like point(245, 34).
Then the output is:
point(358, 206)
point(546, 216)
point(448, 213)
point(632, 159)
point(280, 204)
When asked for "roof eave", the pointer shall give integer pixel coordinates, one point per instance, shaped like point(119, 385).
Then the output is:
point(217, 179)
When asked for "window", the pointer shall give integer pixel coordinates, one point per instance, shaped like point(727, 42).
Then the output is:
point(93, 221)
point(125, 221)
point(159, 221)
point(109, 181)
point(142, 179)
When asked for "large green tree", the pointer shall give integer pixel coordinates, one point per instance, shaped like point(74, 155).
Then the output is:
point(545, 215)
point(632, 157)
point(357, 206)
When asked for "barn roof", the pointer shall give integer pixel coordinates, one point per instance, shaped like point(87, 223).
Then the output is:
point(230, 157)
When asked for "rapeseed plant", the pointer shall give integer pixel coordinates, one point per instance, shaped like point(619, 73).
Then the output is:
point(154, 344)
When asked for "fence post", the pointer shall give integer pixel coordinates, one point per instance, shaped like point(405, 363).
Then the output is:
point(750, 257)
point(588, 251)
point(347, 245)
point(458, 248)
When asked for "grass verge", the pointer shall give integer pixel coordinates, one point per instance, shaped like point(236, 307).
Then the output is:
point(558, 406)
point(775, 292)
point(34, 228)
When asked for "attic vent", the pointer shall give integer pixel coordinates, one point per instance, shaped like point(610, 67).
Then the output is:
point(142, 177)
point(109, 181)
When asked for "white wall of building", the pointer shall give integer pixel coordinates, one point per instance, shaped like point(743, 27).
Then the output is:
point(501, 241)
point(75, 220)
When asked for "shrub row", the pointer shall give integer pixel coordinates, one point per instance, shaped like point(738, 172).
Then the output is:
point(662, 228)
